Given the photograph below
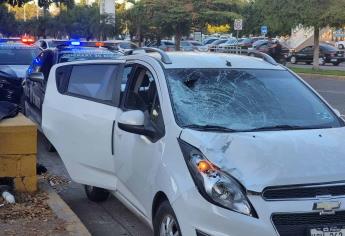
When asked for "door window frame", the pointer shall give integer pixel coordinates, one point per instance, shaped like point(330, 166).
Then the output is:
point(154, 74)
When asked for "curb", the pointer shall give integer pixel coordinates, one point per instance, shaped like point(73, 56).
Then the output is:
point(318, 76)
point(73, 224)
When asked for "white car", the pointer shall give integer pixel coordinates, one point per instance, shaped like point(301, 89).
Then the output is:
point(340, 44)
point(201, 144)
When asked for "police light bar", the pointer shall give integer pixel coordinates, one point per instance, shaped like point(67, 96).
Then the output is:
point(28, 40)
point(75, 43)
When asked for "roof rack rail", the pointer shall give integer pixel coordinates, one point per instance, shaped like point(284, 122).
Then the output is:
point(265, 57)
point(164, 56)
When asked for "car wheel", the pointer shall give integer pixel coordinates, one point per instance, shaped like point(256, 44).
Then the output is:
point(340, 46)
point(336, 64)
point(322, 61)
point(293, 60)
point(308, 62)
point(165, 221)
point(251, 54)
point(96, 194)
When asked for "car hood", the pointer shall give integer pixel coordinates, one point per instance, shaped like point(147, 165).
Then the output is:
point(275, 158)
point(18, 71)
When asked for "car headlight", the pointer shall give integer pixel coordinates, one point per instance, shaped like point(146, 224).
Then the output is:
point(215, 185)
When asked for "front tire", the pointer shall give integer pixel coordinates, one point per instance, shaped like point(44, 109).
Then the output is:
point(96, 194)
point(165, 221)
point(322, 61)
point(293, 60)
point(340, 46)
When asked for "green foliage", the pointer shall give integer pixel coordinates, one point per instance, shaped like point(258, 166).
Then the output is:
point(8, 25)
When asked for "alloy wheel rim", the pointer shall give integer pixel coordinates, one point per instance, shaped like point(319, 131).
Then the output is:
point(293, 60)
point(321, 61)
point(169, 227)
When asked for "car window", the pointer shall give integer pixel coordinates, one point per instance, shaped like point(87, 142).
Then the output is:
point(128, 70)
point(96, 82)
point(167, 43)
point(143, 95)
point(196, 44)
point(17, 55)
point(184, 44)
point(43, 45)
point(128, 45)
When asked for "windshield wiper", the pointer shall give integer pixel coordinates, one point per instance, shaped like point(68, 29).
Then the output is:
point(285, 127)
point(210, 128)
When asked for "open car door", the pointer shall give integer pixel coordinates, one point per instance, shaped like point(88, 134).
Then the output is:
point(79, 112)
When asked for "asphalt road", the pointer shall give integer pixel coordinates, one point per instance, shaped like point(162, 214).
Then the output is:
point(325, 67)
point(111, 217)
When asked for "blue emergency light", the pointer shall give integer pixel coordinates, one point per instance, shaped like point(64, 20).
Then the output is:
point(75, 43)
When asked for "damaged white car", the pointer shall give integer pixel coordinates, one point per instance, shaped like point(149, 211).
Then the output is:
point(201, 144)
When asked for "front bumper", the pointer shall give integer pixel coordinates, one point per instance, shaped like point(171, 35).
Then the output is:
point(195, 213)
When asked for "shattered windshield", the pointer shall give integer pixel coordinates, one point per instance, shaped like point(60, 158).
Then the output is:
point(245, 100)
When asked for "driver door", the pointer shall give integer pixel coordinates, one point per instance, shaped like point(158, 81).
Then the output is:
point(137, 155)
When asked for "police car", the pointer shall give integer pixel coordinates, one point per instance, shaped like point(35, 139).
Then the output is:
point(16, 56)
point(39, 71)
point(201, 144)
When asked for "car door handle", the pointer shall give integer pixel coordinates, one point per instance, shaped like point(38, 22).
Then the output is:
point(112, 138)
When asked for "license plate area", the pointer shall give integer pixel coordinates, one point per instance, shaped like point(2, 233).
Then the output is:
point(328, 231)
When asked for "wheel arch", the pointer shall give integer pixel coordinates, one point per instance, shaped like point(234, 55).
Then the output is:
point(157, 200)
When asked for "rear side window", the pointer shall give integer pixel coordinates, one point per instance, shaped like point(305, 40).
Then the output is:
point(94, 82)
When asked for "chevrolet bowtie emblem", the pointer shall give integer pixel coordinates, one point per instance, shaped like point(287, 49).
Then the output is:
point(326, 208)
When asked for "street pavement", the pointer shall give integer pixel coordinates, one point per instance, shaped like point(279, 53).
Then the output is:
point(111, 217)
point(325, 67)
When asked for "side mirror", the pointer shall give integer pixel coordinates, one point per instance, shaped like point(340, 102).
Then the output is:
point(36, 77)
point(133, 122)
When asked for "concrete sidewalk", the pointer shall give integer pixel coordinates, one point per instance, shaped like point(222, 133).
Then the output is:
point(101, 219)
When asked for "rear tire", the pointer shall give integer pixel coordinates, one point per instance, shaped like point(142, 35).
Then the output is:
point(165, 221)
point(96, 194)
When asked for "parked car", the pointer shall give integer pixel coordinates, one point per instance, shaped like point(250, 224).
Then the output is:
point(165, 45)
point(50, 43)
point(190, 45)
point(213, 47)
point(209, 40)
point(201, 144)
point(263, 47)
point(121, 45)
point(340, 44)
point(246, 43)
point(15, 59)
point(328, 54)
point(39, 72)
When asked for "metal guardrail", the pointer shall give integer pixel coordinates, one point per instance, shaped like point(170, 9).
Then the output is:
point(229, 49)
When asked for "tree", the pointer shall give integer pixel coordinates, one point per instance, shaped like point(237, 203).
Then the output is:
point(173, 18)
point(8, 24)
point(216, 12)
point(282, 14)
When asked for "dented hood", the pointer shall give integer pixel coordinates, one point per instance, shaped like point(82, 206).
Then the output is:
point(273, 158)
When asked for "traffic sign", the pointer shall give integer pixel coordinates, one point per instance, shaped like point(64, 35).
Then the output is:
point(238, 24)
point(264, 29)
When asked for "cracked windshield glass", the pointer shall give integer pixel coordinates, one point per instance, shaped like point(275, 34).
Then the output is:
point(245, 99)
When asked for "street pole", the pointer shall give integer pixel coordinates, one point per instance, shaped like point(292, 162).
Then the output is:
point(24, 12)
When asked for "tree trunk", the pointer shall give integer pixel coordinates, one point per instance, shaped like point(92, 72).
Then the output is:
point(316, 63)
point(178, 40)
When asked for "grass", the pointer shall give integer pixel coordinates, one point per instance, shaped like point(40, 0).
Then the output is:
point(318, 72)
